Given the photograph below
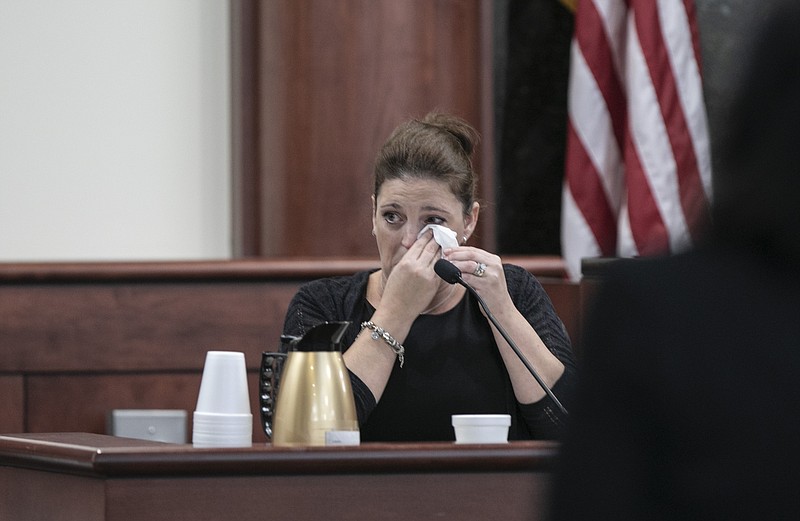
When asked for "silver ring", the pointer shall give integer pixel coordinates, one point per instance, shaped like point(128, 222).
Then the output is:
point(480, 270)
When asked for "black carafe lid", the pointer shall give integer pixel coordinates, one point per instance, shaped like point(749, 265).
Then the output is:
point(326, 336)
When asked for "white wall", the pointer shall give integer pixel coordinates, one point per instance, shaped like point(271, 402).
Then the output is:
point(114, 130)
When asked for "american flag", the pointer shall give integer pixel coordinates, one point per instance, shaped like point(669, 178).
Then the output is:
point(638, 167)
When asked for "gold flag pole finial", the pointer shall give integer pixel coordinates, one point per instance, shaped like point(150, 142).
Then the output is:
point(570, 4)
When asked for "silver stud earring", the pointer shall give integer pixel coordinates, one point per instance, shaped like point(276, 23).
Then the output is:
point(465, 239)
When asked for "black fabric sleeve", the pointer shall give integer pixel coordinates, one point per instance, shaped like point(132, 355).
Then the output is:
point(365, 400)
point(544, 418)
point(333, 299)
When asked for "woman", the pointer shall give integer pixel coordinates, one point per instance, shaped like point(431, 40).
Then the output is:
point(420, 349)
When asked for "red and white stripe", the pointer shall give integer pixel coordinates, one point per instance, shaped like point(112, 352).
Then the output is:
point(638, 166)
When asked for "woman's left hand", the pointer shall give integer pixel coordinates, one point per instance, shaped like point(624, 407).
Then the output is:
point(484, 272)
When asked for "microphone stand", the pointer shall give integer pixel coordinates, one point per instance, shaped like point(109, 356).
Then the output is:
point(456, 277)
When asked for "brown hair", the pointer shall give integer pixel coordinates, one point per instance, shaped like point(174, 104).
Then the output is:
point(438, 146)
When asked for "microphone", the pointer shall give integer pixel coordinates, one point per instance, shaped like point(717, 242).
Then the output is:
point(452, 275)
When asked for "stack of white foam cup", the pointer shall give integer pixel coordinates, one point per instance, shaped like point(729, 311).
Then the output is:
point(222, 417)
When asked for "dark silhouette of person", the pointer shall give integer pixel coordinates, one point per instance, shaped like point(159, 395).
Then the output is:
point(688, 405)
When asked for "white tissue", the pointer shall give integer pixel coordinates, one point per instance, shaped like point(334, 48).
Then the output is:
point(444, 236)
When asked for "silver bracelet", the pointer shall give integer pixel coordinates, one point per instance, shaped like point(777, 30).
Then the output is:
point(379, 332)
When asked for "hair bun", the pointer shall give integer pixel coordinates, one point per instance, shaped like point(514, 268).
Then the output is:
point(466, 136)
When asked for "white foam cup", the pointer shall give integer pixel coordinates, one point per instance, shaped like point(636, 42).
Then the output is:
point(233, 423)
point(222, 430)
point(481, 428)
point(222, 417)
point(207, 440)
point(223, 388)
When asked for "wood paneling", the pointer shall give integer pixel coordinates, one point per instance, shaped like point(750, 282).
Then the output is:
point(63, 497)
point(138, 326)
point(245, 146)
point(81, 402)
point(332, 80)
point(11, 410)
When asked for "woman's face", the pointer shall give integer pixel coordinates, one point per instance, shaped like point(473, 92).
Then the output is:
point(404, 206)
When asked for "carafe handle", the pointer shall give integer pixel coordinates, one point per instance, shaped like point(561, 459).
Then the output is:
point(268, 383)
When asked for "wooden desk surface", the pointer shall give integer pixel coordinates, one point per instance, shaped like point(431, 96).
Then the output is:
point(108, 456)
point(93, 477)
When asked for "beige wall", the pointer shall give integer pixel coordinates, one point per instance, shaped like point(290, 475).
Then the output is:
point(114, 129)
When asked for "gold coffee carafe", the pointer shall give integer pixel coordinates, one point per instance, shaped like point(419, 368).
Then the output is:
point(315, 403)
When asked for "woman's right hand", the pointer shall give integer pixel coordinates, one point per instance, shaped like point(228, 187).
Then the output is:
point(412, 284)
point(408, 290)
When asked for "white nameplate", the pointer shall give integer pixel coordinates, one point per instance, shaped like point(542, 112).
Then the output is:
point(342, 437)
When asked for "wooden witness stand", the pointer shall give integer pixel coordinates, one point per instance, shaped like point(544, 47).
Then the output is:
point(82, 339)
point(92, 477)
